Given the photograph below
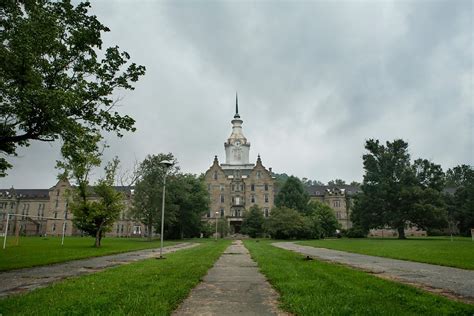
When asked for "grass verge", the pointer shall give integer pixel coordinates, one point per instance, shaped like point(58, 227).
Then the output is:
point(149, 287)
point(36, 251)
point(320, 288)
point(441, 251)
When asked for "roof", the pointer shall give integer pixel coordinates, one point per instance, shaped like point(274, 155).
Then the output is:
point(26, 193)
point(320, 190)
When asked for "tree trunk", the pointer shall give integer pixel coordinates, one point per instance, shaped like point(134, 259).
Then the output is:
point(150, 227)
point(401, 232)
point(98, 237)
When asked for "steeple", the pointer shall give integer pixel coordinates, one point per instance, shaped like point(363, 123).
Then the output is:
point(236, 106)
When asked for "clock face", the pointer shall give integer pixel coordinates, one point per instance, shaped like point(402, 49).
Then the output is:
point(237, 143)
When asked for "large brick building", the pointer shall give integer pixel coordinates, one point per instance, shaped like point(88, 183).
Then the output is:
point(237, 184)
point(44, 212)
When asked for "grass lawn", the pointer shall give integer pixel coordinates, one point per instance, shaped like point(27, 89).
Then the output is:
point(458, 253)
point(34, 251)
point(320, 288)
point(149, 287)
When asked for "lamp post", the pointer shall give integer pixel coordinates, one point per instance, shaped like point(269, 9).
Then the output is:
point(217, 213)
point(166, 165)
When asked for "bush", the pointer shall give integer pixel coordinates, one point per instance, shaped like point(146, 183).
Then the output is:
point(287, 223)
point(356, 232)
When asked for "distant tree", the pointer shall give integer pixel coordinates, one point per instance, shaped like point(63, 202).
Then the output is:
point(355, 183)
point(280, 179)
point(308, 182)
point(96, 209)
point(187, 200)
point(53, 84)
point(396, 193)
point(286, 223)
point(253, 222)
point(337, 182)
point(147, 197)
point(293, 195)
point(461, 204)
point(324, 215)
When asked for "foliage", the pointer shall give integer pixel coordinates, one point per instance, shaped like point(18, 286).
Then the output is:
point(286, 223)
point(322, 288)
point(293, 195)
point(147, 195)
point(396, 193)
point(186, 198)
point(308, 182)
point(37, 251)
point(324, 216)
point(95, 214)
point(356, 232)
point(253, 222)
point(148, 287)
point(461, 205)
point(53, 84)
point(337, 182)
point(223, 227)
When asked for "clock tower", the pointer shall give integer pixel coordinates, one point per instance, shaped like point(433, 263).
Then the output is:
point(237, 147)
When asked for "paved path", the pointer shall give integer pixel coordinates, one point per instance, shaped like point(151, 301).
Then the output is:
point(23, 280)
point(444, 280)
point(234, 286)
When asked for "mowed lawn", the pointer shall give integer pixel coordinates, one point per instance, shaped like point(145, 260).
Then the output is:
point(148, 287)
point(441, 251)
point(319, 288)
point(34, 251)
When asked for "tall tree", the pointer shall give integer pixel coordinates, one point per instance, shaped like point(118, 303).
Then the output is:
point(252, 224)
point(293, 195)
point(53, 84)
point(396, 193)
point(461, 204)
point(286, 223)
point(322, 214)
point(147, 197)
point(337, 182)
point(187, 200)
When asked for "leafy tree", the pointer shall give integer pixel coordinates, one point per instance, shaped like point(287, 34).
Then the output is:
point(308, 182)
point(253, 222)
point(187, 201)
point(286, 223)
point(461, 204)
point(337, 182)
point(396, 193)
point(355, 183)
point(147, 197)
point(293, 195)
point(324, 216)
point(96, 209)
point(280, 179)
point(53, 84)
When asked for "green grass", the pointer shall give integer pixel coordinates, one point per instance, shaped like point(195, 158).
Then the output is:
point(320, 288)
point(441, 251)
point(149, 287)
point(35, 251)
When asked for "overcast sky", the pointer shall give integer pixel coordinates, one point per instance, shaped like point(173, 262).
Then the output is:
point(315, 80)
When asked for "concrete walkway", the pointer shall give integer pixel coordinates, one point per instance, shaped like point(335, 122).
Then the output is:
point(23, 280)
point(234, 286)
point(443, 280)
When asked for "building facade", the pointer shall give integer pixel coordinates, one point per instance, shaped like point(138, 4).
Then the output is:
point(44, 212)
point(237, 184)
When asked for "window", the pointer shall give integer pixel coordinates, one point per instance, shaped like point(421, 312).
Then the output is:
point(237, 200)
point(57, 193)
point(252, 199)
point(118, 228)
point(338, 215)
point(258, 174)
point(241, 187)
point(336, 203)
point(137, 230)
point(265, 212)
point(222, 198)
point(221, 187)
point(55, 214)
point(266, 198)
point(53, 228)
point(222, 212)
point(215, 175)
point(233, 187)
point(252, 187)
point(57, 203)
point(121, 229)
point(266, 187)
point(65, 214)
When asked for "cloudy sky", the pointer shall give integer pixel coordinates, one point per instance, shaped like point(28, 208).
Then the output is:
point(315, 80)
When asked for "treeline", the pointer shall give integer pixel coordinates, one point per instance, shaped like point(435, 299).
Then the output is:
point(398, 193)
point(294, 216)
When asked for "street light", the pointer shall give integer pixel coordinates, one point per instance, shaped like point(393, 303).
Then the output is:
point(166, 165)
point(217, 213)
